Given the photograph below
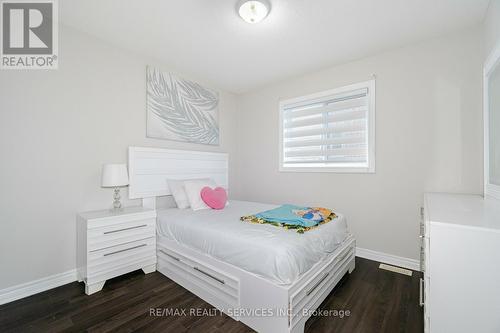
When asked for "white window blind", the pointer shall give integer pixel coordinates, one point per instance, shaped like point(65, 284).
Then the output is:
point(329, 130)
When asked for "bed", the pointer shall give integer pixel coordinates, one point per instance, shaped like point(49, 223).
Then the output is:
point(273, 253)
point(269, 278)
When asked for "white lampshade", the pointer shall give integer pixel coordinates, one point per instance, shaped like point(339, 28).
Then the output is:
point(114, 175)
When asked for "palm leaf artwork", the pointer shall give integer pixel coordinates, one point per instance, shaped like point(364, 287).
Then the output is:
point(181, 110)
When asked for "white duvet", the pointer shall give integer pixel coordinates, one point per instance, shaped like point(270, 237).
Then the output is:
point(274, 253)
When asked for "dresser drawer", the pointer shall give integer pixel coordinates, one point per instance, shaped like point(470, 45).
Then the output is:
point(113, 257)
point(220, 285)
point(426, 254)
point(116, 234)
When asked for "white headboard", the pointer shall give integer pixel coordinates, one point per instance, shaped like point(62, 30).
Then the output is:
point(149, 168)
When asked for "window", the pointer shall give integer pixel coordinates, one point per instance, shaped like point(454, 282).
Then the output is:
point(332, 131)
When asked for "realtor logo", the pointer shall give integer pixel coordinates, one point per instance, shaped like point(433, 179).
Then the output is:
point(29, 34)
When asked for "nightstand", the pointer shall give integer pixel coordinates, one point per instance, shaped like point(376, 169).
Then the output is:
point(110, 244)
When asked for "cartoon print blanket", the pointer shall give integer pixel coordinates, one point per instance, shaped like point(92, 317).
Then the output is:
point(293, 217)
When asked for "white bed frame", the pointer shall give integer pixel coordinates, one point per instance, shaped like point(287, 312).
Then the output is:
point(257, 302)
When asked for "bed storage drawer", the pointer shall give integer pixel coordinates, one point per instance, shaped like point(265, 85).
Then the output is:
point(218, 284)
point(306, 297)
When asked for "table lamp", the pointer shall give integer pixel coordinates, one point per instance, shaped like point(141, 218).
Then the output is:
point(115, 175)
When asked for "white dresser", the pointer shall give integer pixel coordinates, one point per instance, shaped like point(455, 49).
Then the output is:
point(461, 262)
point(110, 244)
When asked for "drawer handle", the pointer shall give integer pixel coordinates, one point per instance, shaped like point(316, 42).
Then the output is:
point(317, 284)
point(171, 256)
point(345, 255)
point(125, 229)
point(421, 292)
point(209, 275)
point(119, 251)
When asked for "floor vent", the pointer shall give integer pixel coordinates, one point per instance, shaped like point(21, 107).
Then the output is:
point(396, 269)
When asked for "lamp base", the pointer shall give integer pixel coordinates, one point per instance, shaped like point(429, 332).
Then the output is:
point(117, 205)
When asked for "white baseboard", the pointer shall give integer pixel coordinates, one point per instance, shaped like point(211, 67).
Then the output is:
point(37, 286)
point(388, 259)
point(34, 287)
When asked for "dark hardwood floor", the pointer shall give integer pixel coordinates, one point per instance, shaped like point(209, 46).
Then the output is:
point(377, 301)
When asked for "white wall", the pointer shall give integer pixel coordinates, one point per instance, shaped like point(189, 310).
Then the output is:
point(56, 130)
point(428, 129)
point(58, 127)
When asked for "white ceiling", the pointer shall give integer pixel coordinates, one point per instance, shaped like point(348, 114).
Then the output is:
point(205, 39)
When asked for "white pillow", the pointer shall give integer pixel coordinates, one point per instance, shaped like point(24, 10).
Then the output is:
point(193, 189)
point(176, 187)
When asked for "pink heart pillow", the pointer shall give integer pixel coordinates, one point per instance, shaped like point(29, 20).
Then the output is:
point(214, 198)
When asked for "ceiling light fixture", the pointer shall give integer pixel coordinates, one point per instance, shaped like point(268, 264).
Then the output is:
point(253, 11)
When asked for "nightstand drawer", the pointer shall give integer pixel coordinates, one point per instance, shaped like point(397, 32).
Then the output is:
point(116, 234)
point(111, 258)
point(112, 219)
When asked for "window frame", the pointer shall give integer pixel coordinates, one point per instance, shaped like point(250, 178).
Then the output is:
point(491, 64)
point(370, 85)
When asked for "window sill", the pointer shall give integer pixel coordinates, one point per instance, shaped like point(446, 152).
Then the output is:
point(327, 169)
